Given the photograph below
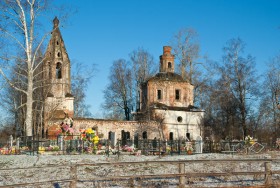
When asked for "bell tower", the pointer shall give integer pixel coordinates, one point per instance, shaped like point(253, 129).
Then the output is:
point(166, 60)
point(56, 72)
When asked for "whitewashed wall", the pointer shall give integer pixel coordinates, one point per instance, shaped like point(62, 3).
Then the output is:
point(191, 123)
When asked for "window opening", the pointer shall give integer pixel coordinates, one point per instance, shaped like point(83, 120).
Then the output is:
point(58, 54)
point(179, 119)
point(169, 65)
point(145, 135)
point(159, 95)
point(110, 135)
point(58, 70)
point(171, 136)
point(177, 94)
point(188, 135)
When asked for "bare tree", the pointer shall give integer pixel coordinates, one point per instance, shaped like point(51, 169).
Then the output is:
point(81, 77)
point(118, 94)
point(186, 50)
point(273, 81)
point(142, 68)
point(226, 106)
point(20, 32)
point(241, 78)
point(270, 96)
point(18, 20)
point(191, 63)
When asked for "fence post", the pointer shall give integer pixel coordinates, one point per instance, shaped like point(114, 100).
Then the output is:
point(118, 148)
point(73, 176)
point(182, 178)
point(131, 182)
point(268, 173)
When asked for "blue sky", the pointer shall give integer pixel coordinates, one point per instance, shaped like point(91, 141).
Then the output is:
point(103, 31)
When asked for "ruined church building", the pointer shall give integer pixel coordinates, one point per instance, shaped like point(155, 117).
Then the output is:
point(166, 100)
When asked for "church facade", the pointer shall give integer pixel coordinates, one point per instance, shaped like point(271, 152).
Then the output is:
point(166, 101)
point(169, 98)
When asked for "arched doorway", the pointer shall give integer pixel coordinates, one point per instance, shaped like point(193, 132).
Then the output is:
point(125, 137)
point(111, 137)
point(145, 135)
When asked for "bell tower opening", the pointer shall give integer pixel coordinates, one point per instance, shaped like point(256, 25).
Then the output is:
point(169, 65)
point(167, 60)
point(58, 70)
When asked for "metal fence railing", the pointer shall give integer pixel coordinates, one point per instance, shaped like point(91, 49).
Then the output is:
point(76, 145)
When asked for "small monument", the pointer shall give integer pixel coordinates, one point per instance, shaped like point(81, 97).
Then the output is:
point(198, 144)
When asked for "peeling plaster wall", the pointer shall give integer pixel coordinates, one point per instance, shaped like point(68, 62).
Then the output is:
point(191, 122)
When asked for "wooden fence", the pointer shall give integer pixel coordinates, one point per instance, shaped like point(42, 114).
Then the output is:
point(180, 175)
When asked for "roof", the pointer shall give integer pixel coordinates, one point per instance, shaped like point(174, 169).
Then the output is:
point(69, 95)
point(167, 76)
point(190, 108)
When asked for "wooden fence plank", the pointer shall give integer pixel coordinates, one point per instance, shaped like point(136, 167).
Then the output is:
point(182, 181)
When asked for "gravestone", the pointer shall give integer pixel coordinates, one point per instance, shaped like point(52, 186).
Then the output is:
point(17, 143)
point(11, 141)
point(198, 144)
point(60, 142)
point(227, 146)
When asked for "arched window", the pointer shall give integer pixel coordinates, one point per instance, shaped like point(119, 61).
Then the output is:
point(58, 70)
point(169, 65)
point(57, 43)
point(159, 94)
point(188, 135)
point(125, 137)
point(177, 94)
point(58, 54)
point(171, 136)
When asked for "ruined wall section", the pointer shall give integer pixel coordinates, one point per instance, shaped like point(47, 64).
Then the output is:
point(103, 127)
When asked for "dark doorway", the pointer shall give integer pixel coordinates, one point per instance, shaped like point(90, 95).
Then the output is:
point(171, 136)
point(136, 140)
point(145, 135)
point(125, 137)
point(111, 138)
point(188, 135)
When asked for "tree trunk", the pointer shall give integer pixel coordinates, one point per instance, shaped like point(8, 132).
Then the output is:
point(29, 102)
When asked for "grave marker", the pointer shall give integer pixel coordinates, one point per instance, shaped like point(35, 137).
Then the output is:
point(198, 144)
